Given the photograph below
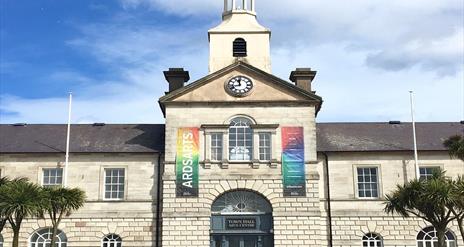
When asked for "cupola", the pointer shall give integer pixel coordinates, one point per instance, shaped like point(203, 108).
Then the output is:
point(238, 6)
point(239, 37)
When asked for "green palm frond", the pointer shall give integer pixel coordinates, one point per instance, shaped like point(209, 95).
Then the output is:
point(455, 146)
point(429, 199)
point(64, 199)
point(21, 199)
point(4, 180)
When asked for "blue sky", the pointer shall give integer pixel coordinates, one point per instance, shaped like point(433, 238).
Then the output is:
point(111, 55)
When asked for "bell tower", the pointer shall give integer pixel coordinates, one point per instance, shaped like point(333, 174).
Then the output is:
point(239, 37)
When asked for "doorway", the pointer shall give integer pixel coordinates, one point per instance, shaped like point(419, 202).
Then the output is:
point(241, 219)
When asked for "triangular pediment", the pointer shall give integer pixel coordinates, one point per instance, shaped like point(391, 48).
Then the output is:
point(266, 88)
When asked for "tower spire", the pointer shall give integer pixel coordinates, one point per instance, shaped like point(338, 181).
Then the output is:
point(241, 6)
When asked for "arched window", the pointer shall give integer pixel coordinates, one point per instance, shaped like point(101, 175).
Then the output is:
point(112, 240)
point(240, 47)
point(1, 240)
point(372, 240)
point(427, 237)
point(42, 238)
point(240, 139)
point(237, 202)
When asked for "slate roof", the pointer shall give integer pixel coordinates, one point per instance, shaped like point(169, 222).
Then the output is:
point(149, 138)
point(346, 137)
point(113, 138)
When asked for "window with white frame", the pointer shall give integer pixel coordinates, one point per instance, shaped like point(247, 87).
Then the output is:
point(114, 183)
point(52, 177)
point(240, 139)
point(42, 238)
point(265, 142)
point(427, 172)
point(368, 182)
point(112, 240)
point(427, 237)
point(372, 240)
point(216, 146)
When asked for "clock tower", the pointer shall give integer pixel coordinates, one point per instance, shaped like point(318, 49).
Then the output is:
point(240, 162)
point(239, 37)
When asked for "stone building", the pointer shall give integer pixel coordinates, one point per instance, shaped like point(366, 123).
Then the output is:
point(239, 162)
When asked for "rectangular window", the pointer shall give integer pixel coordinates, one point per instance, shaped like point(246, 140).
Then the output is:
point(52, 177)
point(241, 143)
point(368, 183)
point(114, 183)
point(265, 146)
point(216, 146)
point(427, 172)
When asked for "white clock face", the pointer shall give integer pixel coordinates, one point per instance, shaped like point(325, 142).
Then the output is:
point(239, 85)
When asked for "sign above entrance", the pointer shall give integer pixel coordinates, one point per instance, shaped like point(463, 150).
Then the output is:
point(293, 163)
point(187, 162)
point(240, 223)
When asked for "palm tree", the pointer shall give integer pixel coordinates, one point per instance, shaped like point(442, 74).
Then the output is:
point(458, 210)
point(61, 202)
point(20, 199)
point(3, 220)
point(429, 200)
point(455, 146)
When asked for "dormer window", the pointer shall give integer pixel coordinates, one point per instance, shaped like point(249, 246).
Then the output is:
point(240, 47)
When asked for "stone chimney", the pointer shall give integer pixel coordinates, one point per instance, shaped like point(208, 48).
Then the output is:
point(302, 77)
point(176, 78)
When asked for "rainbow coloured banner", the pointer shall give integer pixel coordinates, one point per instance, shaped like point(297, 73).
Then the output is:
point(293, 162)
point(187, 162)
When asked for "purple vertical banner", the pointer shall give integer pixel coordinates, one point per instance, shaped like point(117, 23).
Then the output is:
point(293, 162)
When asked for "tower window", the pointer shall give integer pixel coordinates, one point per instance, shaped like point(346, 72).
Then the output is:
point(240, 48)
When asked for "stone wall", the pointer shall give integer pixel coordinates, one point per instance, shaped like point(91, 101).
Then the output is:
point(186, 221)
point(89, 232)
point(353, 217)
point(133, 218)
point(395, 231)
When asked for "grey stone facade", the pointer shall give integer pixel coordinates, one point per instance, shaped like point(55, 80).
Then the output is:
point(151, 214)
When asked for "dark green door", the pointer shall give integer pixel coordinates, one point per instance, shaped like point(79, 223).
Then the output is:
point(241, 241)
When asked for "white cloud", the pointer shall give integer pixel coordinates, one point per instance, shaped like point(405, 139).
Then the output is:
point(385, 28)
point(353, 92)
point(134, 56)
point(443, 55)
point(178, 7)
point(368, 54)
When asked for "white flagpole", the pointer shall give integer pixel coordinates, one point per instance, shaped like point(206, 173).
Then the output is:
point(65, 183)
point(416, 158)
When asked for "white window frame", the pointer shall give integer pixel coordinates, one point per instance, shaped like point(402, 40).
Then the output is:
point(112, 242)
point(372, 238)
point(45, 234)
point(431, 166)
point(42, 180)
point(265, 150)
point(356, 181)
point(251, 145)
point(216, 146)
point(105, 169)
point(434, 240)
